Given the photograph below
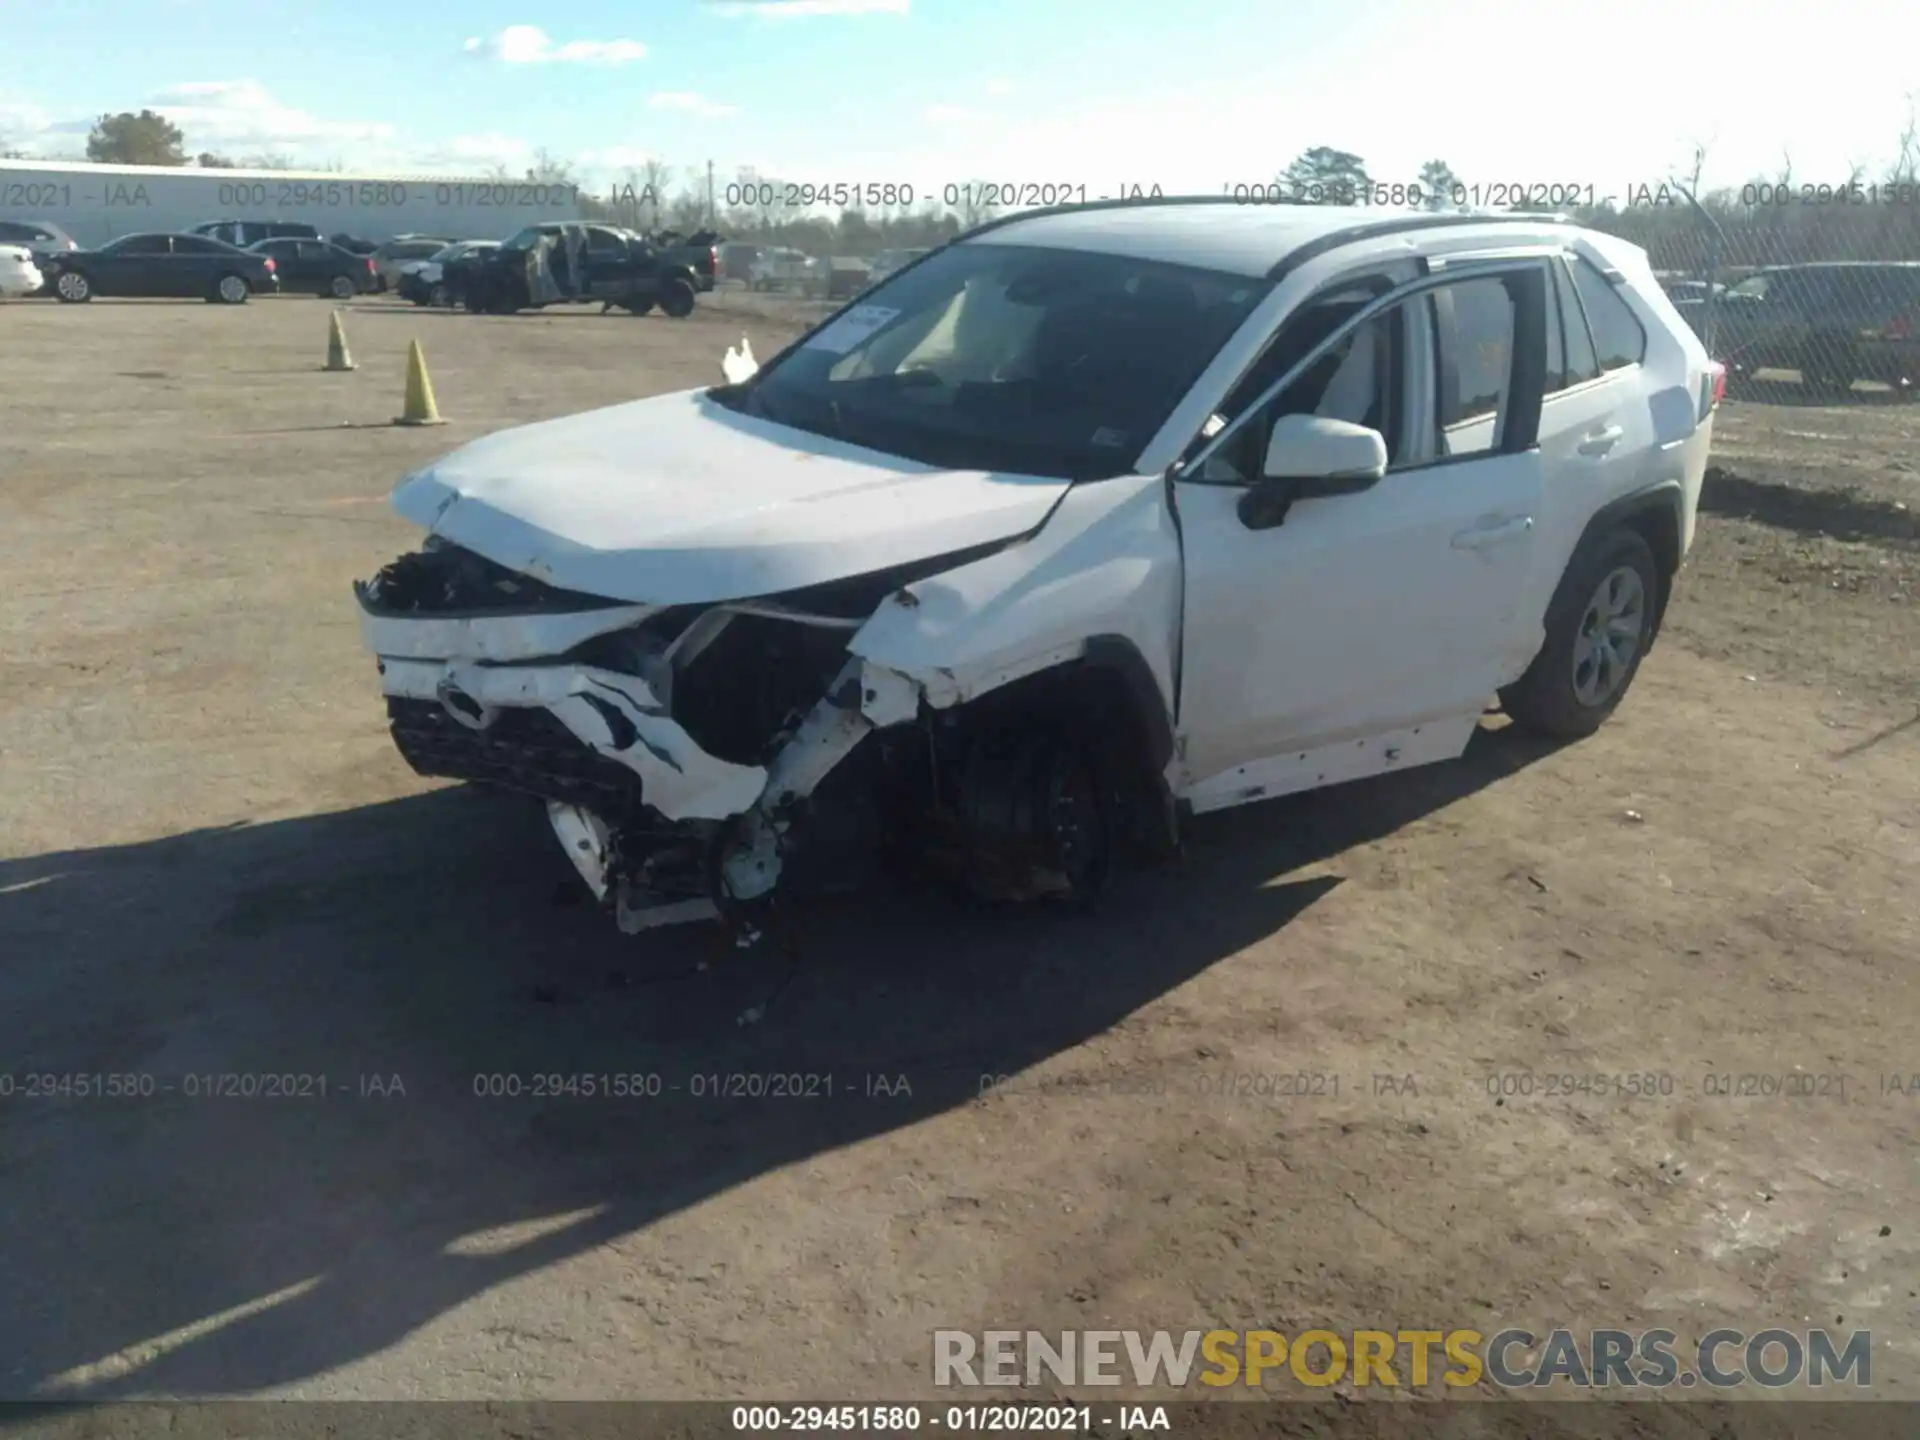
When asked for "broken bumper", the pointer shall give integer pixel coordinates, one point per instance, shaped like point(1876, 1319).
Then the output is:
point(485, 698)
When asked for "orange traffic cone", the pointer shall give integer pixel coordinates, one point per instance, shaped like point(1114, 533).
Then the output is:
point(338, 357)
point(420, 409)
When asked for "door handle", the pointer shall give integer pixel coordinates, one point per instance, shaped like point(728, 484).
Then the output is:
point(1484, 537)
point(1601, 441)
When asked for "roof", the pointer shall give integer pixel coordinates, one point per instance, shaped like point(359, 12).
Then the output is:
point(1236, 237)
point(139, 173)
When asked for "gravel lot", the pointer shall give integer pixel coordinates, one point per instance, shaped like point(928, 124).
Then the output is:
point(212, 863)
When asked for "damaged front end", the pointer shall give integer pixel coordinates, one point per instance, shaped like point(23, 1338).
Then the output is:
point(692, 758)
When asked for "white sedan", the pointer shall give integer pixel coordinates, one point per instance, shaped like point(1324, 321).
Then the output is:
point(18, 274)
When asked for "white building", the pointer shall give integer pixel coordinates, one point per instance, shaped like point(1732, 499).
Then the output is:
point(94, 203)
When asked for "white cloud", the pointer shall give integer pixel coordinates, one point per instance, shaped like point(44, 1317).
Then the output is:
point(796, 9)
point(530, 45)
point(689, 103)
point(999, 87)
point(952, 115)
point(228, 115)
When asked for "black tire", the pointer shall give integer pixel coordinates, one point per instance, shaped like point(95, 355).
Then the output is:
point(438, 298)
point(341, 287)
point(641, 307)
point(231, 294)
point(72, 287)
point(676, 298)
point(1548, 699)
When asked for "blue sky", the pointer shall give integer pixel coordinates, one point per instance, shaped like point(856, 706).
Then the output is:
point(1100, 93)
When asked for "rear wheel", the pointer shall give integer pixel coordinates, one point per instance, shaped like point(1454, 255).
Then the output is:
point(438, 297)
point(232, 290)
point(1598, 628)
point(342, 287)
point(73, 287)
point(676, 298)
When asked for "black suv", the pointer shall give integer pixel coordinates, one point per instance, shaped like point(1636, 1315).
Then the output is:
point(1835, 323)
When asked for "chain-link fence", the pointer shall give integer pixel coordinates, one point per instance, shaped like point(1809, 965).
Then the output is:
point(1815, 286)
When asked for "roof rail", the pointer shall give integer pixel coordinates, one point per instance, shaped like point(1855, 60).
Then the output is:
point(1125, 202)
point(1389, 223)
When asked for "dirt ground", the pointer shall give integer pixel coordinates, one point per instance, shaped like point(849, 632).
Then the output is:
point(212, 863)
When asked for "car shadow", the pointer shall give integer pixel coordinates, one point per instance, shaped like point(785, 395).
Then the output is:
point(1834, 513)
point(422, 959)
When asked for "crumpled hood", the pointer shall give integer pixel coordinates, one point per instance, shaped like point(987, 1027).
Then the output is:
point(677, 500)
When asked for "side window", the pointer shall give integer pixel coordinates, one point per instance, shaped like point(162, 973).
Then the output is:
point(1360, 380)
point(1617, 337)
point(13, 234)
point(195, 245)
point(1473, 327)
point(146, 245)
point(1582, 363)
point(1556, 338)
point(603, 242)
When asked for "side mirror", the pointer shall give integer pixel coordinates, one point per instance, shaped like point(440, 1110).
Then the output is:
point(1310, 457)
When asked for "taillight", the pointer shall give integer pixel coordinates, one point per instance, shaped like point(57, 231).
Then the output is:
point(1717, 376)
point(370, 266)
point(270, 265)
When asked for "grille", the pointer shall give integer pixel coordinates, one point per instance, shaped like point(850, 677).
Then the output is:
point(525, 750)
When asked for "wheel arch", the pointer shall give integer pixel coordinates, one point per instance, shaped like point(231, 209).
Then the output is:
point(1657, 514)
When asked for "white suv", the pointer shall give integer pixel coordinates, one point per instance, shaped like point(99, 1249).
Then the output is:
point(1094, 519)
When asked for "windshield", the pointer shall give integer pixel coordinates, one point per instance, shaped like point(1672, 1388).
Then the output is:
point(1001, 357)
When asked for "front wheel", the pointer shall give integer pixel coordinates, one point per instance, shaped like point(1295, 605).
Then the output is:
point(232, 290)
point(676, 298)
point(1598, 628)
point(73, 287)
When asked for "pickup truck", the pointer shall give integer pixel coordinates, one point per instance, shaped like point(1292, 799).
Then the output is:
point(570, 263)
point(700, 251)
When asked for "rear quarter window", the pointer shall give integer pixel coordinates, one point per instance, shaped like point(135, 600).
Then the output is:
point(1618, 339)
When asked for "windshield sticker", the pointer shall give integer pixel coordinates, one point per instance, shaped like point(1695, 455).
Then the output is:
point(851, 328)
point(1215, 424)
point(1107, 438)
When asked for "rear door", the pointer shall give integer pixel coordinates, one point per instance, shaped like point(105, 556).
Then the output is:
point(285, 255)
point(609, 263)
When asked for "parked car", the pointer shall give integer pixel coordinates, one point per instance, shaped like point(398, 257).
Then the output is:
point(1834, 323)
point(355, 244)
point(389, 257)
point(888, 261)
point(1095, 519)
point(736, 260)
point(568, 262)
point(777, 267)
point(41, 239)
point(836, 277)
point(161, 264)
point(318, 267)
point(18, 274)
point(423, 281)
point(242, 233)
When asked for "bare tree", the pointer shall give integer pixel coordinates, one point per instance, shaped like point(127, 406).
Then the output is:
point(1906, 162)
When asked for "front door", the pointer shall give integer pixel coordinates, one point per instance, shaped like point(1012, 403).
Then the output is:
point(1374, 612)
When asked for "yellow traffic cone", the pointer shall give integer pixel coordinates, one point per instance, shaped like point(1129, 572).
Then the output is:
point(337, 356)
point(420, 409)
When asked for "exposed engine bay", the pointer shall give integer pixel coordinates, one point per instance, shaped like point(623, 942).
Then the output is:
point(694, 759)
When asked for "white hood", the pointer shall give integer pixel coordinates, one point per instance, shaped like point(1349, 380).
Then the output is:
point(677, 500)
